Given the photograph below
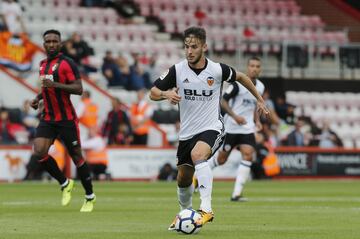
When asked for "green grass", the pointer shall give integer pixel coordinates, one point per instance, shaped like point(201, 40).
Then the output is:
point(275, 210)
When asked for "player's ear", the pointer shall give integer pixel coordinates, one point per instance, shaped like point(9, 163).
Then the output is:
point(205, 47)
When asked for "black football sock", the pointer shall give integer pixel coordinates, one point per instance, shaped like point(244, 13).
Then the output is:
point(52, 168)
point(84, 174)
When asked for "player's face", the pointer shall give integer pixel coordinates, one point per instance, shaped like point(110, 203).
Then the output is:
point(52, 44)
point(254, 69)
point(194, 50)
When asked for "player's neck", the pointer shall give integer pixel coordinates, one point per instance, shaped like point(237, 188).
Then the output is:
point(199, 65)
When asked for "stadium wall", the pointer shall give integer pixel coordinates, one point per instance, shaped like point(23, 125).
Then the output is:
point(144, 163)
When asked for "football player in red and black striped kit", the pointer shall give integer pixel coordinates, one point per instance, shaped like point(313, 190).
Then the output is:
point(60, 78)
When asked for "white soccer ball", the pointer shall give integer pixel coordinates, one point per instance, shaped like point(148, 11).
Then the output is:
point(186, 221)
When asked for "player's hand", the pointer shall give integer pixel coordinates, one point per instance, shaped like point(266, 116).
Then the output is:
point(34, 104)
point(173, 96)
point(46, 82)
point(239, 119)
point(262, 109)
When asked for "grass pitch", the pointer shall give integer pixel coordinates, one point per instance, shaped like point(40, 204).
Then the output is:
point(275, 210)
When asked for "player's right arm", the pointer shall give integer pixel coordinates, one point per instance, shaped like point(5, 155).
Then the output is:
point(164, 87)
point(35, 102)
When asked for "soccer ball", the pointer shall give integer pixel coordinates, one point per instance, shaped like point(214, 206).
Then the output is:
point(186, 221)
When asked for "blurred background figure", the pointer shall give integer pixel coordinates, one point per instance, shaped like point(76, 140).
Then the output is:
point(140, 115)
point(117, 128)
point(11, 15)
point(328, 138)
point(29, 118)
point(96, 154)
point(6, 136)
point(167, 173)
point(87, 110)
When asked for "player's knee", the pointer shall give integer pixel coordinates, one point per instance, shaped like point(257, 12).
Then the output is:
point(40, 151)
point(221, 160)
point(247, 156)
point(184, 182)
point(198, 155)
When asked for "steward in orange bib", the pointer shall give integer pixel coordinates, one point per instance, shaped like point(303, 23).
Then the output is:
point(140, 117)
point(87, 111)
point(95, 153)
point(266, 164)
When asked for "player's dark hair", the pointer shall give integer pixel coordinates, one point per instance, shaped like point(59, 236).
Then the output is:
point(197, 32)
point(254, 58)
point(52, 31)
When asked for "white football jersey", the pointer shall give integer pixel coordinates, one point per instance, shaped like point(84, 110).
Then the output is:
point(200, 92)
point(243, 103)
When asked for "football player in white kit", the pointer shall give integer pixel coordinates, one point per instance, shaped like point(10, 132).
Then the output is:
point(241, 123)
point(195, 84)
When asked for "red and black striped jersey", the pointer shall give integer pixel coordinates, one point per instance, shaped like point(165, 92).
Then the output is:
point(57, 103)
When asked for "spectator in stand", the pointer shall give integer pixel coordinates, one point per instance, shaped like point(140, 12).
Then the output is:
point(274, 118)
point(5, 125)
point(87, 111)
point(167, 173)
point(328, 138)
point(141, 113)
point(111, 71)
point(125, 71)
point(117, 128)
point(284, 110)
point(79, 50)
point(93, 3)
point(29, 118)
point(139, 78)
point(95, 153)
point(296, 137)
point(10, 13)
point(152, 70)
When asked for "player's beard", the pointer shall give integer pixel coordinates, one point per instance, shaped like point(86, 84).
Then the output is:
point(195, 60)
point(52, 54)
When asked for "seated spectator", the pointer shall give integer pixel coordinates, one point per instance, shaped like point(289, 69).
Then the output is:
point(79, 50)
point(29, 118)
point(111, 71)
point(296, 137)
point(117, 128)
point(125, 71)
point(328, 138)
point(284, 110)
point(10, 13)
point(5, 125)
point(167, 173)
point(152, 70)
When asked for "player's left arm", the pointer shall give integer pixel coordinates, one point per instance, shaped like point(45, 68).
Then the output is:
point(246, 81)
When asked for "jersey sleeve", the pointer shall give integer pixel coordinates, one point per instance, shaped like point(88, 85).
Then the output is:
point(167, 80)
point(228, 73)
point(231, 91)
point(71, 71)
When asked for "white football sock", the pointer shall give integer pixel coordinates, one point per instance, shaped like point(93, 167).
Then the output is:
point(205, 181)
point(213, 161)
point(243, 173)
point(185, 197)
